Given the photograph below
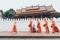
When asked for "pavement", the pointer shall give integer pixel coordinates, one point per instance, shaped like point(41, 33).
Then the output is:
point(28, 34)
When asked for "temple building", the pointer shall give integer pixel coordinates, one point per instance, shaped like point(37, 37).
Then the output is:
point(36, 11)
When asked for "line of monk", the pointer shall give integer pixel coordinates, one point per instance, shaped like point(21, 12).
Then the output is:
point(32, 28)
point(53, 25)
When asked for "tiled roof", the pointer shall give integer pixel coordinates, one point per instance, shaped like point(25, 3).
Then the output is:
point(35, 9)
point(50, 8)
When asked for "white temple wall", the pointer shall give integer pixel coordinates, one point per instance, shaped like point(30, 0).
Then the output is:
point(23, 25)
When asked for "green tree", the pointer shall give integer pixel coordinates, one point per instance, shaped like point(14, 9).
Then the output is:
point(10, 13)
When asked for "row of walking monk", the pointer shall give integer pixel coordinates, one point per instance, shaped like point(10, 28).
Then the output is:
point(32, 28)
point(53, 26)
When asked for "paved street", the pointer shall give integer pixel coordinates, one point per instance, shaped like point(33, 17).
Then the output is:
point(28, 34)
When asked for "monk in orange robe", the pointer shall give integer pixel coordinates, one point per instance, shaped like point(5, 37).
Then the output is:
point(39, 26)
point(46, 26)
point(54, 27)
point(14, 28)
point(31, 26)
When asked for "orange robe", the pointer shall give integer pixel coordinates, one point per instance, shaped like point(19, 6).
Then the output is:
point(39, 26)
point(54, 27)
point(14, 27)
point(46, 26)
point(31, 26)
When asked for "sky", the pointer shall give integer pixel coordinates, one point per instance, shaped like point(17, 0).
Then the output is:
point(18, 4)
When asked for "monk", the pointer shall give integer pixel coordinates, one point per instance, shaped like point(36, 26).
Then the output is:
point(39, 26)
point(14, 28)
point(54, 27)
point(46, 26)
point(31, 26)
